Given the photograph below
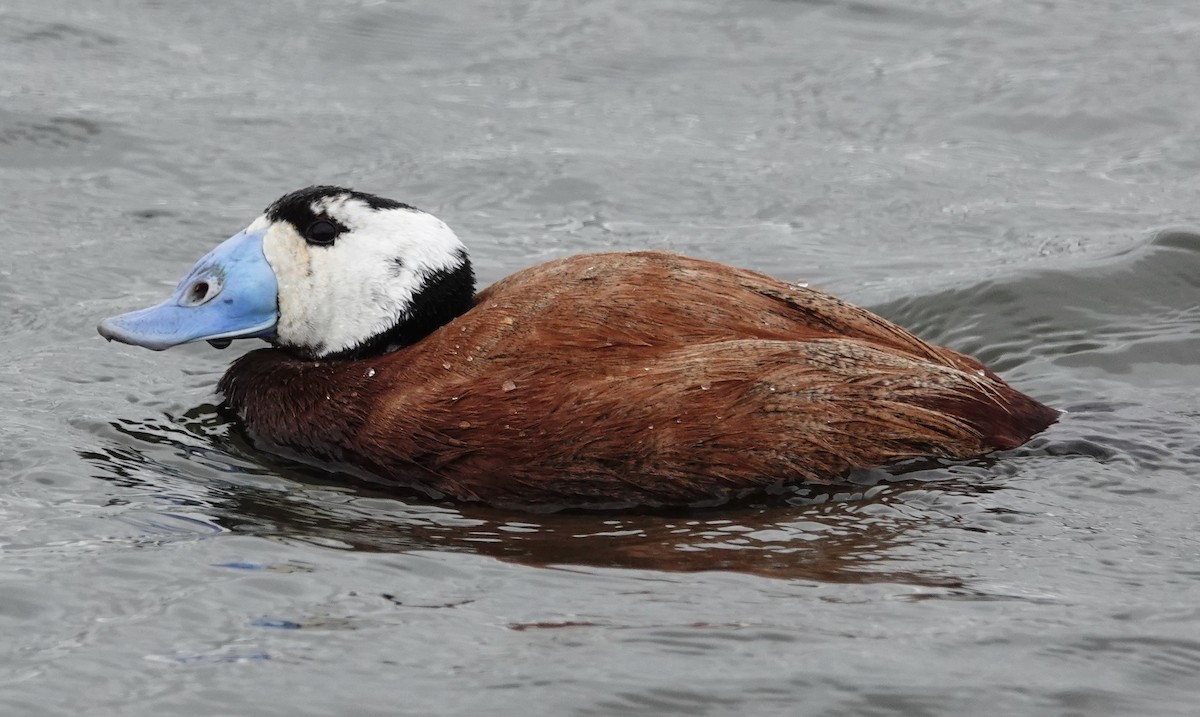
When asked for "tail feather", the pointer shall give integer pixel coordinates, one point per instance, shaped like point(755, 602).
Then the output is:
point(1003, 416)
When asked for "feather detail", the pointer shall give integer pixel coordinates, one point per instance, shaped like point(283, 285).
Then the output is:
point(642, 378)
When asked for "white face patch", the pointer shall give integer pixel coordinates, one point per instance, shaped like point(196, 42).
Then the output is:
point(334, 298)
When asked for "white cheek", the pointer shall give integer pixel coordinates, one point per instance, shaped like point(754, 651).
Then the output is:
point(335, 298)
point(331, 298)
point(289, 258)
point(350, 281)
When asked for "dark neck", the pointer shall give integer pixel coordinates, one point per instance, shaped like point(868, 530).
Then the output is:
point(318, 412)
point(289, 402)
point(446, 295)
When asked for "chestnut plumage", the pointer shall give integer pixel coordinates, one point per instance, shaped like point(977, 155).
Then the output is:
point(596, 380)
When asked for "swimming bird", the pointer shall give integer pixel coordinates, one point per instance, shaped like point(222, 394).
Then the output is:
point(601, 380)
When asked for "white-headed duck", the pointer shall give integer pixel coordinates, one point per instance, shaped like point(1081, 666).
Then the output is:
point(596, 380)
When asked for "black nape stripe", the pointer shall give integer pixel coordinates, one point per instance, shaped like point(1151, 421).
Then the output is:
point(296, 207)
point(445, 295)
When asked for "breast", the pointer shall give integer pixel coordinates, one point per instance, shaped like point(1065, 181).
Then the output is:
point(642, 378)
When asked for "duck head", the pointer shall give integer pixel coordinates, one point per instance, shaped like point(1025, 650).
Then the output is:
point(324, 272)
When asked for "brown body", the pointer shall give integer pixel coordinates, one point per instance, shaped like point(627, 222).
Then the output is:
point(642, 378)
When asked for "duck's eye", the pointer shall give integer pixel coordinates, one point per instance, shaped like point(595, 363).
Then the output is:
point(322, 232)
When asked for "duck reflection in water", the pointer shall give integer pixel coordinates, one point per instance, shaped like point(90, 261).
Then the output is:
point(848, 534)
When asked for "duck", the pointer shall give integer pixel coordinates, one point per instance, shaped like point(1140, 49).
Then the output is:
point(640, 378)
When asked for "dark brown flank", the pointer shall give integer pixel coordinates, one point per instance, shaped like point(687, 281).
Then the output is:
point(642, 378)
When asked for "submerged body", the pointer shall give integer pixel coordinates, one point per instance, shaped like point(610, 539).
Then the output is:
point(618, 379)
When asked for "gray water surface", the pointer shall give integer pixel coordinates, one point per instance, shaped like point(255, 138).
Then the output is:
point(1019, 180)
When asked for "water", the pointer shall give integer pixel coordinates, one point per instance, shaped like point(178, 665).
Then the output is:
point(1019, 180)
